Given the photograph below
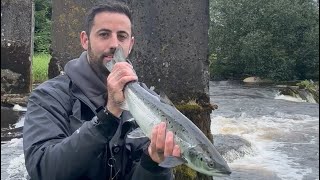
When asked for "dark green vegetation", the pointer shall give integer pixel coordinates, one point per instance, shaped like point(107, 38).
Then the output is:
point(42, 40)
point(42, 29)
point(274, 39)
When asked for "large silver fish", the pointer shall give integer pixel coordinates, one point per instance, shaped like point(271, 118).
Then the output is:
point(148, 110)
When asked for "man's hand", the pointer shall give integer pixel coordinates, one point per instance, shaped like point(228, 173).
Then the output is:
point(121, 74)
point(162, 144)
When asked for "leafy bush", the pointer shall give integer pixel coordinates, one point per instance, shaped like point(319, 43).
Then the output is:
point(273, 39)
point(42, 36)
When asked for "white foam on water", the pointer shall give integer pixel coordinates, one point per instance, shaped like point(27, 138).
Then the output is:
point(15, 164)
point(16, 169)
point(289, 98)
point(17, 107)
point(262, 132)
point(15, 142)
point(20, 122)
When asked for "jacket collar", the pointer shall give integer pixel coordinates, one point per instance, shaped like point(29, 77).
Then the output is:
point(83, 76)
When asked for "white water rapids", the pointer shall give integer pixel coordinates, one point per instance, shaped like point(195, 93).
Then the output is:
point(283, 132)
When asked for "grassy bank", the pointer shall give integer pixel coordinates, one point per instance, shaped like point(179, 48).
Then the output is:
point(40, 64)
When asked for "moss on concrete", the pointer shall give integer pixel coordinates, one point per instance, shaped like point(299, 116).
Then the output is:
point(190, 106)
point(198, 111)
point(183, 172)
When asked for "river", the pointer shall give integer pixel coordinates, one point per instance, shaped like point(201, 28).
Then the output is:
point(282, 132)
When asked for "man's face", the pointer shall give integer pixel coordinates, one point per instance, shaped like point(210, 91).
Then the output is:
point(109, 30)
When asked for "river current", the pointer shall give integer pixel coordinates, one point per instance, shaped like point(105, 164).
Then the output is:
point(283, 134)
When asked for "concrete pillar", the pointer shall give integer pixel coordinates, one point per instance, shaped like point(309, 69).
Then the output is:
point(171, 50)
point(171, 54)
point(67, 23)
point(68, 18)
point(17, 24)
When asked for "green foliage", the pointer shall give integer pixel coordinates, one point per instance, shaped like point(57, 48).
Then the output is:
point(311, 87)
point(306, 85)
point(272, 39)
point(42, 36)
point(40, 65)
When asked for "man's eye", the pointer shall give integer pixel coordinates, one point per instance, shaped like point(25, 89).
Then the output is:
point(122, 37)
point(104, 34)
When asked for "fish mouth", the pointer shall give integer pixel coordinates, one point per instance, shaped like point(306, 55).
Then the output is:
point(223, 171)
point(219, 172)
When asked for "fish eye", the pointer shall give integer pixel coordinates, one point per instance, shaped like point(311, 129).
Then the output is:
point(211, 164)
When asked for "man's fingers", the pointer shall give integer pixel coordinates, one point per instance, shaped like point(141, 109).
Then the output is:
point(162, 144)
point(122, 69)
point(176, 151)
point(169, 144)
point(161, 137)
point(153, 140)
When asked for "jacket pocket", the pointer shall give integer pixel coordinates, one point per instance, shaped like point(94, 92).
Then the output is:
point(75, 117)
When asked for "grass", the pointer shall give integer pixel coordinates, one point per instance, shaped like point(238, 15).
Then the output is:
point(40, 66)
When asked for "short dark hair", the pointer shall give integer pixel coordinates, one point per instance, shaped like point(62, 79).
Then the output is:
point(109, 6)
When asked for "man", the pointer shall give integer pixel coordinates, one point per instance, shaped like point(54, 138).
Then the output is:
point(74, 126)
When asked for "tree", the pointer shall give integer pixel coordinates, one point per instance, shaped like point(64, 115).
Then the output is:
point(271, 39)
point(42, 30)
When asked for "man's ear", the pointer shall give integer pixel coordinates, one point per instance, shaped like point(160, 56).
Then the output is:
point(131, 44)
point(84, 38)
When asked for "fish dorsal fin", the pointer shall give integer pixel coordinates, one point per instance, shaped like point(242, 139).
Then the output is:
point(164, 99)
point(150, 90)
point(136, 134)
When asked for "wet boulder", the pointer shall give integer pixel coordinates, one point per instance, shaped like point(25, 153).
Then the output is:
point(305, 90)
point(232, 147)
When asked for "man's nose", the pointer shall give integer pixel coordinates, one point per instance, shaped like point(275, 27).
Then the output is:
point(114, 42)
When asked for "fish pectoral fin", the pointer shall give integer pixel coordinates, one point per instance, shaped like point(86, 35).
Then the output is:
point(136, 134)
point(172, 161)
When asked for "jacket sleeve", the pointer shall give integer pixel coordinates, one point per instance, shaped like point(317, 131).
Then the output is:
point(51, 151)
point(148, 169)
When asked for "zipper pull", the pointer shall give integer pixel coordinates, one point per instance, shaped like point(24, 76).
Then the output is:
point(111, 163)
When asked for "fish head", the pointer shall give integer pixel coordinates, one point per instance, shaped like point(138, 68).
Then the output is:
point(207, 161)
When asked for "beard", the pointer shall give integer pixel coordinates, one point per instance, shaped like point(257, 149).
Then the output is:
point(97, 64)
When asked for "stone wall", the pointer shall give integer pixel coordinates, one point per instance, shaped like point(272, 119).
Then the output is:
point(67, 23)
point(17, 24)
point(171, 50)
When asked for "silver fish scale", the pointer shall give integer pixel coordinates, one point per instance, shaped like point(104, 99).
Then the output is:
point(143, 107)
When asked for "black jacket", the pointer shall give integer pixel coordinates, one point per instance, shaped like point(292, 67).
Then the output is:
point(62, 138)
